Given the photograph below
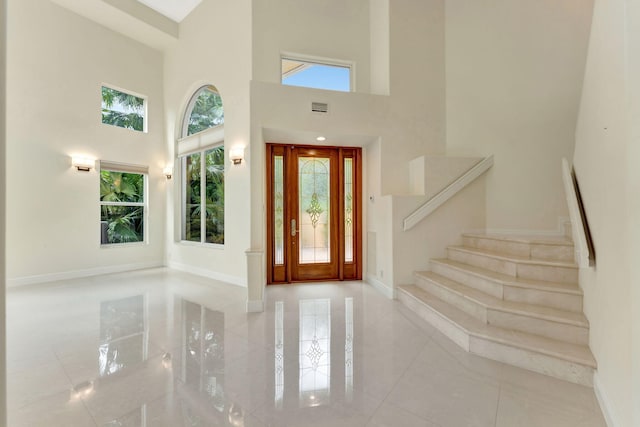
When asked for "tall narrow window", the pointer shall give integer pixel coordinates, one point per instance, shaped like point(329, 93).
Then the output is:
point(122, 203)
point(203, 168)
point(193, 224)
point(204, 198)
point(278, 210)
point(348, 210)
point(123, 109)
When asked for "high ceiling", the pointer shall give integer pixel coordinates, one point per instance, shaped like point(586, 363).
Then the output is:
point(172, 9)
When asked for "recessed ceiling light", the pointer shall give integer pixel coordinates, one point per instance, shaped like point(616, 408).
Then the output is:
point(321, 138)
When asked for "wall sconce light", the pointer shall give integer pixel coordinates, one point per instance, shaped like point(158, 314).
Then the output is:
point(83, 163)
point(236, 154)
point(166, 360)
point(168, 172)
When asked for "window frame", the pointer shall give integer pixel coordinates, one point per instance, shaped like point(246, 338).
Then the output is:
point(189, 110)
point(203, 193)
point(130, 169)
point(199, 143)
point(318, 60)
point(145, 106)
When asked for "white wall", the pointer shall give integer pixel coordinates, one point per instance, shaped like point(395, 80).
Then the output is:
point(606, 165)
point(416, 116)
point(633, 189)
point(3, 321)
point(514, 74)
point(335, 29)
point(214, 48)
point(56, 63)
point(431, 236)
point(379, 42)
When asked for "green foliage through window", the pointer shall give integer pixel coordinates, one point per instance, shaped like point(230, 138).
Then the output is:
point(206, 111)
point(122, 109)
point(122, 207)
point(213, 205)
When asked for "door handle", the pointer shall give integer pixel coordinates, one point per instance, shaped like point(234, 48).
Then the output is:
point(293, 228)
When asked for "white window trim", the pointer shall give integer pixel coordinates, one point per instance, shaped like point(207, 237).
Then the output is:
point(129, 168)
point(203, 193)
point(201, 141)
point(351, 65)
point(145, 105)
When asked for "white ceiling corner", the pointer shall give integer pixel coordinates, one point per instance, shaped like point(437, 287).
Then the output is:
point(175, 10)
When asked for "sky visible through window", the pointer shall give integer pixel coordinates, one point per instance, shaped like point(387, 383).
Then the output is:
point(320, 76)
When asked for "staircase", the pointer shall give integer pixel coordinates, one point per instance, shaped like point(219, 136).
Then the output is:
point(512, 299)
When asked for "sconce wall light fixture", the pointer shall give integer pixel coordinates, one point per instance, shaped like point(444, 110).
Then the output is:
point(168, 172)
point(83, 164)
point(236, 154)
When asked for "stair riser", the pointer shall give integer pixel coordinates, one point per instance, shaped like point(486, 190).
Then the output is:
point(484, 285)
point(448, 328)
point(530, 250)
point(515, 269)
point(533, 325)
point(547, 365)
point(471, 308)
point(561, 301)
point(548, 273)
point(497, 265)
point(502, 246)
point(546, 328)
point(523, 358)
point(552, 252)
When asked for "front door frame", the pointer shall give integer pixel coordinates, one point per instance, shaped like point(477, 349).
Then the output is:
point(282, 273)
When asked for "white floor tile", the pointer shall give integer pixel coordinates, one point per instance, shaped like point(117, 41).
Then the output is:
point(166, 348)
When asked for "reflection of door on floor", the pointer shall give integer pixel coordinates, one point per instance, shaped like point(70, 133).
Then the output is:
point(313, 213)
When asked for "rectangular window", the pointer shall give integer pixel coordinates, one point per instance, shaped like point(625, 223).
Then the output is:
point(123, 109)
point(316, 74)
point(207, 196)
point(123, 203)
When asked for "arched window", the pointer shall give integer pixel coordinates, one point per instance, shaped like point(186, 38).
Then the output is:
point(204, 111)
point(202, 160)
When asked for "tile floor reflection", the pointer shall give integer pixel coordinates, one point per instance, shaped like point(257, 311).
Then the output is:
point(165, 348)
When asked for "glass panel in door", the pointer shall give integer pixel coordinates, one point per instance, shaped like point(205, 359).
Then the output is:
point(314, 210)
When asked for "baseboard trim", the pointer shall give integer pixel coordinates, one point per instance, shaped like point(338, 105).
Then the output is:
point(234, 280)
point(78, 274)
point(381, 287)
point(605, 402)
point(255, 306)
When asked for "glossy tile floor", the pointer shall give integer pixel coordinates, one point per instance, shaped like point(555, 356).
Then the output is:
point(164, 348)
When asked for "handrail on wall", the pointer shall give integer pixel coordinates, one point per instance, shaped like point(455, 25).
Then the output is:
point(585, 255)
point(448, 192)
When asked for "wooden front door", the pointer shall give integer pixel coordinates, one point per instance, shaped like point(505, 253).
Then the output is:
point(313, 213)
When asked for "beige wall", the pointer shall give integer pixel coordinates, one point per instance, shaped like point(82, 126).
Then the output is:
point(56, 64)
point(633, 190)
point(514, 74)
point(335, 29)
point(214, 48)
point(3, 321)
point(606, 164)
